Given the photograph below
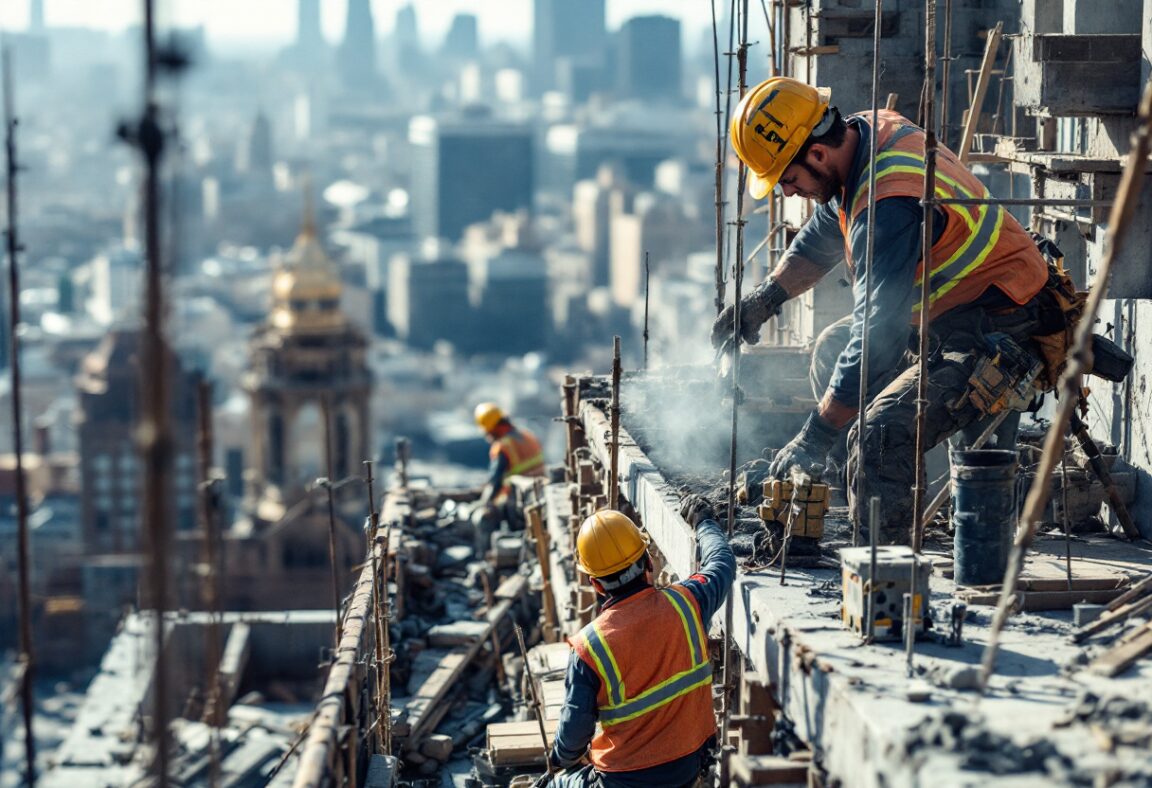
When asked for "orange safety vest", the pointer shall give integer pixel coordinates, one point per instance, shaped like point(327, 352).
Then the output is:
point(525, 456)
point(655, 700)
point(981, 246)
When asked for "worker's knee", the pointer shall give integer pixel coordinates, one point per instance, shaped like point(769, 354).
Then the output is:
point(826, 353)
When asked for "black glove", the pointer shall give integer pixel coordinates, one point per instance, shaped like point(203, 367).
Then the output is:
point(756, 309)
point(695, 509)
point(810, 447)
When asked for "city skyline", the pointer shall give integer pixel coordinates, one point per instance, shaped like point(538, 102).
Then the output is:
point(274, 21)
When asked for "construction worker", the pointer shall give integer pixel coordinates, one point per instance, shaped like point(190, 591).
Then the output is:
point(641, 669)
point(991, 307)
point(512, 452)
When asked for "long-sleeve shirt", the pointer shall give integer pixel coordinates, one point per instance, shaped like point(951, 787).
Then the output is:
point(896, 253)
point(710, 586)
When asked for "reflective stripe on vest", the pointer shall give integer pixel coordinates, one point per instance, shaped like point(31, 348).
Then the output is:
point(521, 465)
point(622, 708)
point(984, 222)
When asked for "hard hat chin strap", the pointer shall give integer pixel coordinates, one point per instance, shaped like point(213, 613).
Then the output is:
point(627, 576)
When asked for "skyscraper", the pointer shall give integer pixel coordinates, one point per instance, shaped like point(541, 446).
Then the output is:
point(648, 58)
point(36, 16)
point(466, 169)
point(356, 58)
point(309, 36)
point(566, 31)
point(462, 41)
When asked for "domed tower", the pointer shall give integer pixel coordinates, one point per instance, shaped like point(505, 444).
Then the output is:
point(307, 377)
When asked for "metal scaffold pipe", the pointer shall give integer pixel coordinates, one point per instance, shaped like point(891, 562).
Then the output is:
point(1079, 356)
point(27, 653)
point(929, 203)
point(865, 343)
point(614, 463)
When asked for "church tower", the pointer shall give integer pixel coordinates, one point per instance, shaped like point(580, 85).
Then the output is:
point(307, 378)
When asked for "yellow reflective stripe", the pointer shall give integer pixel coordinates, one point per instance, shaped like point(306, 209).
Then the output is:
point(969, 258)
point(534, 461)
point(662, 694)
point(597, 646)
point(678, 603)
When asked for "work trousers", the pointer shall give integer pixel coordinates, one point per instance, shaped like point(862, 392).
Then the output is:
point(956, 347)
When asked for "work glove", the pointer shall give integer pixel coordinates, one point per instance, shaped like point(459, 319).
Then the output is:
point(810, 447)
point(756, 309)
point(543, 781)
point(695, 509)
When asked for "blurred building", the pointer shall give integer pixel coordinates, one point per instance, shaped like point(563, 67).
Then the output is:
point(462, 42)
point(566, 36)
point(648, 59)
point(428, 299)
point(465, 169)
point(356, 57)
point(106, 418)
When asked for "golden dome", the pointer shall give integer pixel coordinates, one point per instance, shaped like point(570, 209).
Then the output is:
point(306, 289)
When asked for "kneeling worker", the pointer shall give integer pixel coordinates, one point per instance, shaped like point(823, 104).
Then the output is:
point(512, 452)
point(641, 668)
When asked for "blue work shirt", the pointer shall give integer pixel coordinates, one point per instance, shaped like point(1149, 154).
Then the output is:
point(710, 585)
point(896, 253)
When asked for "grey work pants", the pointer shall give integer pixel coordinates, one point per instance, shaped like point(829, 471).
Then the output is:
point(957, 345)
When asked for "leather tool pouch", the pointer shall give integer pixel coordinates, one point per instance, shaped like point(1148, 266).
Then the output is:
point(1004, 378)
point(1061, 308)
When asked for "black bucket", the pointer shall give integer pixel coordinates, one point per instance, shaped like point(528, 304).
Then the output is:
point(983, 514)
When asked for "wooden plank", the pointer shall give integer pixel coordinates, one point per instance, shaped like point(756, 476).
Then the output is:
point(973, 118)
point(1113, 616)
point(518, 743)
point(1042, 600)
point(1121, 656)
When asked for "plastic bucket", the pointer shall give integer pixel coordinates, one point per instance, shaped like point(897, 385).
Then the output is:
point(983, 514)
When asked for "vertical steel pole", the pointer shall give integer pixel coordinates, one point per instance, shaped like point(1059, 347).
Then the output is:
point(27, 655)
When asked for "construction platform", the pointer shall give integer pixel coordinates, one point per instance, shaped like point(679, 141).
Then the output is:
point(1046, 717)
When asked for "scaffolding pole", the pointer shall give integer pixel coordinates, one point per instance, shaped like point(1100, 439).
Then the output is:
point(27, 654)
point(1069, 394)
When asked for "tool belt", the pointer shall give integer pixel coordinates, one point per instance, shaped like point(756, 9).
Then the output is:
point(1061, 310)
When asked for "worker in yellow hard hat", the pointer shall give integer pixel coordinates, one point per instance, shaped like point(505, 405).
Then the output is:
point(990, 288)
point(638, 693)
point(512, 452)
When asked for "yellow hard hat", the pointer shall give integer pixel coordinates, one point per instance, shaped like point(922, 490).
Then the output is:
point(771, 123)
point(608, 542)
point(488, 415)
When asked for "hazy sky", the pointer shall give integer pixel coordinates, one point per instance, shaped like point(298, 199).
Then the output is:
point(275, 20)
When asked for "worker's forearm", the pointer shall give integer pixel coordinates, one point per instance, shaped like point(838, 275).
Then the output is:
point(798, 274)
point(578, 714)
point(713, 581)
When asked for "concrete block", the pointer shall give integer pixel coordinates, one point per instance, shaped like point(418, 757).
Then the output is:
point(1120, 16)
point(438, 747)
point(1084, 613)
point(382, 771)
point(1077, 75)
point(1042, 16)
point(892, 581)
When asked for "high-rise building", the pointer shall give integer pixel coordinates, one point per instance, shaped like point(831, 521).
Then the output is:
point(310, 45)
point(462, 42)
point(111, 475)
point(464, 170)
point(648, 59)
point(255, 155)
point(35, 16)
point(428, 299)
point(566, 31)
point(356, 58)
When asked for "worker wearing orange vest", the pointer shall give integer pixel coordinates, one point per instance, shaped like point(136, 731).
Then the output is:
point(638, 693)
point(990, 288)
point(512, 452)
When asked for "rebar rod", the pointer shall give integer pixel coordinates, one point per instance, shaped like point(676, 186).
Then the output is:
point(865, 340)
point(1078, 357)
point(537, 706)
point(647, 282)
point(928, 201)
point(1064, 511)
point(379, 578)
point(329, 486)
point(870, 601)
point(210, 577)
point(737, 295)
point(614, 461)
point(154, 432)
point(27, 652)
point(719, 273)
point(946, 73)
